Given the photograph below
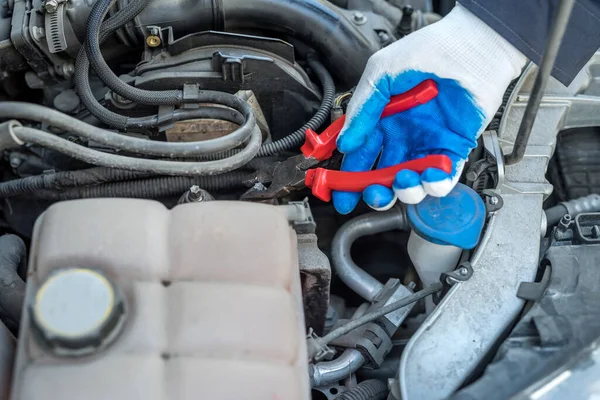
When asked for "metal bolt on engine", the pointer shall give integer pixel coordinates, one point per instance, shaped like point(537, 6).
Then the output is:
point(38, 33)
point(15, 161)
point(51, 6)
point(195, 193)
point(153, 41)
point(359, 18)
point(494, 200)
point(564, 223)
point(383, 37)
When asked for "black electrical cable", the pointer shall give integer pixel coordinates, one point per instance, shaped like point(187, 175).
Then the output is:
point(82, 71)
point(106, 75)
point(553, 43)
point(149, 188)
point(57, 181)
point(123, 122)
point(372, 316)
point(296, 138)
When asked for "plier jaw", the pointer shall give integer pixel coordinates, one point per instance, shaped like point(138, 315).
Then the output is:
point(284, 176)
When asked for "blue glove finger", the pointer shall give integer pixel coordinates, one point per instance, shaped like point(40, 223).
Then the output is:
point(363, 114)
point(360, 160)
point(379, 197)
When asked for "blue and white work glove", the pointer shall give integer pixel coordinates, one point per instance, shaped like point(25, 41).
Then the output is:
point(472, 66)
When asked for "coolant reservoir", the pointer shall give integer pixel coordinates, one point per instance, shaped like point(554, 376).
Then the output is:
point(128, 300)
point(442, 227)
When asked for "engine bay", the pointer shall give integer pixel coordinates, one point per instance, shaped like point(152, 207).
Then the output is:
point(147, 253)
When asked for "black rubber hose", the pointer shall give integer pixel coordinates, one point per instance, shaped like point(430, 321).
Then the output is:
point(106, 75)
point(30, 111)
point(66, 179)
point(319, 23)
point(371, 389)
point(162, 167)
point(150, 188)
point(12, 287)
point(82, 71)
point(82, 67)
point(555, 214)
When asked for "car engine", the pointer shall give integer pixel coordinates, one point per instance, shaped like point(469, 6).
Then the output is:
point(143, 254)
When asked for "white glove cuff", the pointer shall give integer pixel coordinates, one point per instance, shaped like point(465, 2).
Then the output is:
point(490, 61)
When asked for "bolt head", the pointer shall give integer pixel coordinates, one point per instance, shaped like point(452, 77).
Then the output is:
point(51, 6)
point(38, 33)
point(15, 161)
point(195, 189)
point(359, 18)
point(463, 271)
point(383, 37)
point(68, 69)
point(153, 41)
point(494, 200)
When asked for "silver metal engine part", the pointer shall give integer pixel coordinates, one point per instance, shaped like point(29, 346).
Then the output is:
point(466, 325)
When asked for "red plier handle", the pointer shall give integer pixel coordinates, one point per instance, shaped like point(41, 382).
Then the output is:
point(323, 181)
point(322, 146)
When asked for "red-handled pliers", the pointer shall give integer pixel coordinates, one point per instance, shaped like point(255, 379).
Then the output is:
point(294, 173)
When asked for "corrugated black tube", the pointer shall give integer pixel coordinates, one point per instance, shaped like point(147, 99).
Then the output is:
point(66, 179)
point(296, 138)
point(148, 188)
point(106, 75)
point(371, 389)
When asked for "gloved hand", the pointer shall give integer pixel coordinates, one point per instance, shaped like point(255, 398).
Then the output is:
point(472, 65)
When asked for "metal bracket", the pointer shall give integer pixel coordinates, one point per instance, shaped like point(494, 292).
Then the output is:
point(492, 148)
point(375, 344)
point(300, 216)
point(534, 291)
point(165, 117)
point(493, 201)
point(461, 274)
point(314, 346)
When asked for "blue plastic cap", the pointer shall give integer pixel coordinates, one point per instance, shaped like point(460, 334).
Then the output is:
point(456, 219)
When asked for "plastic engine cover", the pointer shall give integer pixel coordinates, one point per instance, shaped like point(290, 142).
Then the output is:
point(208, 296)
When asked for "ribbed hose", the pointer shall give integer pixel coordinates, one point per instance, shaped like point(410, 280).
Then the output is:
point(66, 179)
point(371, 389)
point(82, 69)
point(106, 75)
point(147, 188)
point(296, 138)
